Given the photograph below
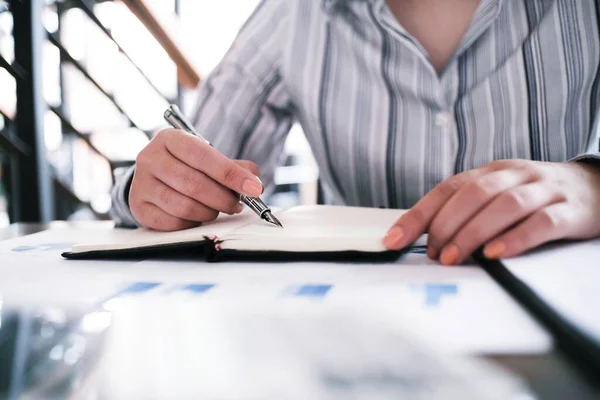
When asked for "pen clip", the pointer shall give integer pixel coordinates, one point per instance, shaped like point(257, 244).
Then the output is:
point(175, 117)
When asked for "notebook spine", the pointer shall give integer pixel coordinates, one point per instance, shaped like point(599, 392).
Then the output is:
point(213, 251)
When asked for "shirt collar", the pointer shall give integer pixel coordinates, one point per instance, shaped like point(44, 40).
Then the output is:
point(333, 6)
point(487, 13)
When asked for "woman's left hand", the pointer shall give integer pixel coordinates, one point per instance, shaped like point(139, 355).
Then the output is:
point(510, 206)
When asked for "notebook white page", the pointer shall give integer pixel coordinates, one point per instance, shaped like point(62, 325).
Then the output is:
point(120, 239)
point(317, 229)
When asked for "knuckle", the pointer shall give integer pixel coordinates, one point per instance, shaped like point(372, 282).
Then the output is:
point(549, 219)
point(157, 220)
point(479, 190)
point(135, 199)
point(142, 159)
point(172, 140)
point(497, 164)
point(134, 194)
point(230, 174)
point(522, 164)
point(492, 165)
point(187, 208)
point(475, 234)
point(137, 211)
point(513, 200)
point(148, 157)
point(163, 222)
point(165, 196)
point(135, 203)
point(536, 173)
point(506, 164)
point(176, 143)
point(192, 185)
point(449, 187)
point(416, 216)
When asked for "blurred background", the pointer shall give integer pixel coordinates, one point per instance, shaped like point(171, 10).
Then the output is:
point(83, 86)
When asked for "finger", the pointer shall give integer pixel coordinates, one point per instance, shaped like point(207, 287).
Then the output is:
point(152, 217)
point(416, 221)
point(506, 210)
point(194, 184)
point(202, 157)
point(250, 166)
point(468, 201)
point(179, 205)
point(548, 224)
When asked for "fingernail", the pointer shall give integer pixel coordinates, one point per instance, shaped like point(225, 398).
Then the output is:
point(393, 239)
point(252, 188)
point(494, 249)
point(432, 253)
point(239, 208)
point(449, 255)
point(262, 187)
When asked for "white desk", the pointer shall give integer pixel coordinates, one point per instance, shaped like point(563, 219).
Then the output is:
point(549, 375)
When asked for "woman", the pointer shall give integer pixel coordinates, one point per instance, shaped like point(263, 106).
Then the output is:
point(480, 115)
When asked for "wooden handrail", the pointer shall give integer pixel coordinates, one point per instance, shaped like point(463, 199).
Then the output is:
point(187, 74)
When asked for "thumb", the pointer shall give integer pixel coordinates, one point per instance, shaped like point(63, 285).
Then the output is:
point(249, 165)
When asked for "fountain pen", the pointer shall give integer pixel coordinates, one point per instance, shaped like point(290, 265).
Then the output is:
point(178, 121)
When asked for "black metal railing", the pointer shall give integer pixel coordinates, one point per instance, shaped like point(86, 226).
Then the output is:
point(8, 141)
point(16, 71)
point(11, 143)
point(90, 13)
point(66, 57)
point(35, 191)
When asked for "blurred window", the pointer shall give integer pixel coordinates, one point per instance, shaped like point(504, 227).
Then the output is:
point(102, 110)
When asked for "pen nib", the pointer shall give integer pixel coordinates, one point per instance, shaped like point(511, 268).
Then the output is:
point(270, 218)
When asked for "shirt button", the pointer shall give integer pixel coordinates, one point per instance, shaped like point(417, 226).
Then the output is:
point(442, 119)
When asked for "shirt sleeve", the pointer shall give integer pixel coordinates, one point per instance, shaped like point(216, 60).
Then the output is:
point(243, 106)
point(592, 153)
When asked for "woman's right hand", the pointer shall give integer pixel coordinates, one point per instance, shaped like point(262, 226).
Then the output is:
point(181, 181)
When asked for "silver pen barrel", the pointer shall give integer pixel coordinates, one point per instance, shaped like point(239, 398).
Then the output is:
point(255, 204)
point(175, 117)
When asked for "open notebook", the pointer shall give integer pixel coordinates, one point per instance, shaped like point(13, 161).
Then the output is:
point(309, 232)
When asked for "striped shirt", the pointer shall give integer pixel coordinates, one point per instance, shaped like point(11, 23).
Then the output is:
point(383, 125)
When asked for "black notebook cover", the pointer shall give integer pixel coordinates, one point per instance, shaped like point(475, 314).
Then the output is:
point(202, 246)
point(208, 249)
